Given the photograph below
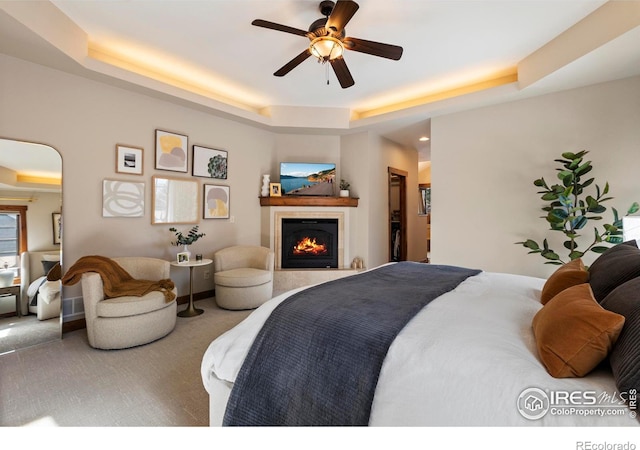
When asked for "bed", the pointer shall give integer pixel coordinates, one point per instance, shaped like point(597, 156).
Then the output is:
point(471, 356)
point(39, 296)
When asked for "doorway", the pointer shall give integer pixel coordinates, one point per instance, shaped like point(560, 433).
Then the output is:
point(397, 214)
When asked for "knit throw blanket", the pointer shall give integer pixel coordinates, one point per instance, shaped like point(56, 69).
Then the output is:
point(117, 281)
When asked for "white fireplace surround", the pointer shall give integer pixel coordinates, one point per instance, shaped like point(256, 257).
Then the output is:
point(274, 227)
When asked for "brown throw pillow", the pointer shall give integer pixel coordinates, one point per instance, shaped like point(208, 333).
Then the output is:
point(55, 273)
point(568, 275)
point(574, 333)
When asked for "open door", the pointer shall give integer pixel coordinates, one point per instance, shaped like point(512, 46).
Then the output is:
point(397, 214)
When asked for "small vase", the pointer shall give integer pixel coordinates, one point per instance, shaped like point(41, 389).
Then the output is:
point(186, 250)
point(265, 185)
point(344, 193)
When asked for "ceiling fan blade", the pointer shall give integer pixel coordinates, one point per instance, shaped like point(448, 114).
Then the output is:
point(342, 72)
point(373, 48)
point(278, 27)
point(341, 14)
point(288, 67)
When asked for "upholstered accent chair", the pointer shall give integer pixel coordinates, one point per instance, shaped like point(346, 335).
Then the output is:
point(128, 321)
point(33, 267)
point(243, 276)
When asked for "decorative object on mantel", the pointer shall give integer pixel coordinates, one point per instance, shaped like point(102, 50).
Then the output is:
point(357, 263)
point(275, 189)
point(265, 185)
point(344, 188)
point(568, 213)
point(187, 240)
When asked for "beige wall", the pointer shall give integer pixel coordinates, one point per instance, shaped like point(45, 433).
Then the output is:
point(485, 161)
point(368, 157)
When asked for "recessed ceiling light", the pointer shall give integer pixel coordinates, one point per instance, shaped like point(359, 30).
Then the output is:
point(423, 139)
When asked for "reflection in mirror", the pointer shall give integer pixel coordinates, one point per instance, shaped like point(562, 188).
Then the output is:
point(424, 197)
point(175, 200)
point(30, 244)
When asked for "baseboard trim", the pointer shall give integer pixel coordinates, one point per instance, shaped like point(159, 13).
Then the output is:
point(184, 299)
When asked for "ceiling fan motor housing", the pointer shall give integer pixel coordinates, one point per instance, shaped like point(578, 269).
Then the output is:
point(326, 7)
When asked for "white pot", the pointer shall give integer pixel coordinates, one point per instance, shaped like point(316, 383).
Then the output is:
point(6, 278)
point(344, 193)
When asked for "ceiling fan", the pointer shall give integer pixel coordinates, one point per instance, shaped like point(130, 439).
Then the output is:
point(328, 40)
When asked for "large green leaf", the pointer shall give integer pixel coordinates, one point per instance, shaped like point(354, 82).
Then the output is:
point(634, 208)
point(599, 249)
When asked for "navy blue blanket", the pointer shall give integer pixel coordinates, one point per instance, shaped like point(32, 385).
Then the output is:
point(317, 359)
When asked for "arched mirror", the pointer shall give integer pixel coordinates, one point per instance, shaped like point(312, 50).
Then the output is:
point(30, 244)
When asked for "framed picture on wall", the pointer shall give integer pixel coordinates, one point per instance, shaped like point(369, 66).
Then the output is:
point(122, 199)
point(171, 151)
point(129, 159)
point(216, 202)
point(56, 219)
point(209, 163)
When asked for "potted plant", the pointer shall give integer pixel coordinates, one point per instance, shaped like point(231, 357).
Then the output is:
point(187, 240)
point(344, 188)
point(569, 209)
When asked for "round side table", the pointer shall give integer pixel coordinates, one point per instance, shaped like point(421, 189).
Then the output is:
point(191, 309)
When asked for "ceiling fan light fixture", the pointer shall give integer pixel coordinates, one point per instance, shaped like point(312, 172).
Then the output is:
point(326, 48)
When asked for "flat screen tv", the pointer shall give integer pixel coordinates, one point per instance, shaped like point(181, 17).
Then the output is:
point(308, 178)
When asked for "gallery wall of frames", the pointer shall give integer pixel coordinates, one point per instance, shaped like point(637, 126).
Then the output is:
point(176, 196)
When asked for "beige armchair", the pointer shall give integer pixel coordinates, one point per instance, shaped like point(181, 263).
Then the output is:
point(127, 321)
point(243, 276)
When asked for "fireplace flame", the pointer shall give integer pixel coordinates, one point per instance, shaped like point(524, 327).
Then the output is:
point(309, 246)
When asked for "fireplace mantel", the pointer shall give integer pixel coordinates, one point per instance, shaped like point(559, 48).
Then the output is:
point(307, 200)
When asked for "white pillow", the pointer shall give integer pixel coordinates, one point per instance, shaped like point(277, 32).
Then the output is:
point(48, 291)
point(33, 287)
point(51, 257)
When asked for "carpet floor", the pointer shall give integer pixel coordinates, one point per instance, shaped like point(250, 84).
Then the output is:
point(67, 383)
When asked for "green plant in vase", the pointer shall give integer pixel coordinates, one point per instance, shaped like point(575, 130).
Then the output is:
point(569, 209)
point(188, 239)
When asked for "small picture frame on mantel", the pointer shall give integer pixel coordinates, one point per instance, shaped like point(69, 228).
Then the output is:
point(275, 190)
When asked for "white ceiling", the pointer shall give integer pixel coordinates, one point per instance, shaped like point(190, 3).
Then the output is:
point(210, 47)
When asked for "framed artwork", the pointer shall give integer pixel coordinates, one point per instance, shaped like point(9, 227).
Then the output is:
point(275, 190)
point(216, 202)
point(175, 200)
point(183, 257)
point(122, 199)
point(209, 163)
point(129, 159)
point(171, 151)
point(56, 219)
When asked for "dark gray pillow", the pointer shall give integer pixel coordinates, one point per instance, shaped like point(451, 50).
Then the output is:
point(48, 265)
point(614, 267)
point(625, 355)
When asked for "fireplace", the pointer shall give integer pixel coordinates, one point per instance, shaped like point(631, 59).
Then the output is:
point(309, 243)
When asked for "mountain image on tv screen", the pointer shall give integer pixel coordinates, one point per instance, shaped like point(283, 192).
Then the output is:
point(308, 178)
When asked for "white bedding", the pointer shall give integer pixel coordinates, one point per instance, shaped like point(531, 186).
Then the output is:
point(463, 360)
